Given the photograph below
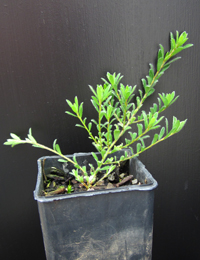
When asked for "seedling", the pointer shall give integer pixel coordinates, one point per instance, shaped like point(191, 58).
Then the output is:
point(119, 116)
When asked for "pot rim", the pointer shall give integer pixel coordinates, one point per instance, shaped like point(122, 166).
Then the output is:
point(144, 187)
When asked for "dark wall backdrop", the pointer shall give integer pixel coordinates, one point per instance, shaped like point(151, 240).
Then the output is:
point(51, 50)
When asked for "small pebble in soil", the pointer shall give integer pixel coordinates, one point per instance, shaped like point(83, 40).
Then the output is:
point(134, 182)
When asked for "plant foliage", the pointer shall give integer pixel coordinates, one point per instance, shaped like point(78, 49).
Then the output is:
point(119, 114)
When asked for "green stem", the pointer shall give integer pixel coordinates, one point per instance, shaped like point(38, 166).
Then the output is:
point(55, 152)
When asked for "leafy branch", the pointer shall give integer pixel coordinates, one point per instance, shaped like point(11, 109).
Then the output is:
point(117, 115)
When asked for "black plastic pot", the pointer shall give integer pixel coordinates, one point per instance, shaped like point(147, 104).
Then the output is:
point(115, 224)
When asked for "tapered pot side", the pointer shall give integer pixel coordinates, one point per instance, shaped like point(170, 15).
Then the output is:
point(107, 224)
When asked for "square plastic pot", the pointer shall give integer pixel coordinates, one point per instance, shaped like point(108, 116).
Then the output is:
point(115, 224)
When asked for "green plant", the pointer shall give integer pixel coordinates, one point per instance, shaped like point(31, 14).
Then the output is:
point(117, 113)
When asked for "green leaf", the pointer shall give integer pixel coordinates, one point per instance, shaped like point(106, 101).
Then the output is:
point(159, 63)
point(160, 54)
point(62, 160)
point(175, 59)
point(54, 144)
point(140, 128)
point(151, 71)
point(162, 131)
point(91, 88)
point(116, 133)
point(78, 125)
point(58, 149)
point(76, 102)
point(95, 157)
point(138, 147)
point(167, 125)
point(105, 168)
point(177, 50)
point(138, 101)
point(100, 93)
point(151, 91)
point(111, 77)
point(165, 67)
point(14, 136)
point(95, 105)
point(182, 38)
point(81, 110)
point(69, 103)
point(155, 127)
point(187, 46)
point(37, 146)
point(173, 43)
point(30, 137)
point(182, 123)
point(144, 83)
point(69, 113)
point(155, 139)
point(141, 93)
point(133, 135)
point(12, 142)
point(90, 126)
point(145, 119)
point(152, 122)
point(115, 149)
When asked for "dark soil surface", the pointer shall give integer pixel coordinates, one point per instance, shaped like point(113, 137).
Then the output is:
point(57, 181)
